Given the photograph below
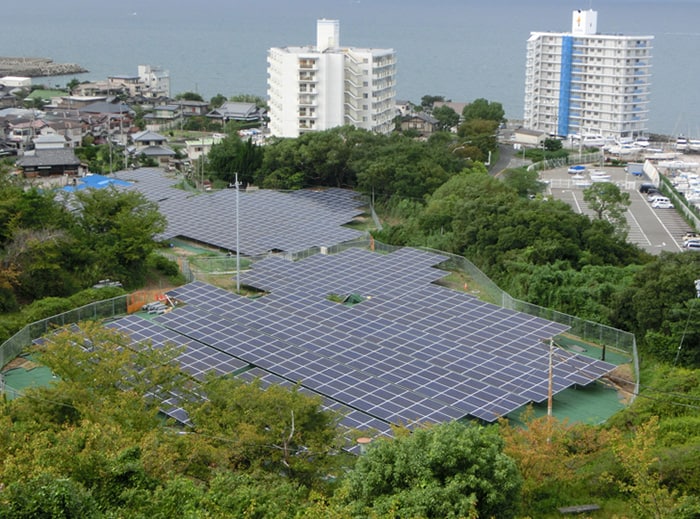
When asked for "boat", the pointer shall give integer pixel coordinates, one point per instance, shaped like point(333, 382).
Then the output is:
point(598, 175)
point(694, 145)
point(681, 144)
point(574, 170)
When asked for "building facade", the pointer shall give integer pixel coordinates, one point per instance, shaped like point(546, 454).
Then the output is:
point(316, 88)
point(584, 83)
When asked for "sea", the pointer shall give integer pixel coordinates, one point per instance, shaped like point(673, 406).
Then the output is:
point(459, 49)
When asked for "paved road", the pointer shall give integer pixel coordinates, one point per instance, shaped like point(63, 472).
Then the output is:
point(654, 230)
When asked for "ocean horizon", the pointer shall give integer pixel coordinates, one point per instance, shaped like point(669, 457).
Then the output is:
point(460, 49)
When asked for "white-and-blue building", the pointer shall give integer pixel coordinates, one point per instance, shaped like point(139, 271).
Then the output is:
point(583, 83)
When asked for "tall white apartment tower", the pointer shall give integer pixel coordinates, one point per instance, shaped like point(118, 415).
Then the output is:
point(316, 88)
point(584, 82)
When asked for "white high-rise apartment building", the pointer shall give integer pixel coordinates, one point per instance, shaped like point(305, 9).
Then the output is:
point(586, 83)
point(318, 88)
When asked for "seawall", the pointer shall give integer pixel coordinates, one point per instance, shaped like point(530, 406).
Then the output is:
point(37, 67)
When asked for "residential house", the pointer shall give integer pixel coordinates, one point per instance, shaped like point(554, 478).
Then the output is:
point(69, 126)
point(193, 108)
point(235, 111)
point(45, 163)
point(151, 145)
point(50, 141)
point(420, 122)
point(22, 131)
point(196, 148)
point(163, 117)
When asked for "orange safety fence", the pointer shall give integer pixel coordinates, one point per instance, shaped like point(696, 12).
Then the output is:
point(136, 300)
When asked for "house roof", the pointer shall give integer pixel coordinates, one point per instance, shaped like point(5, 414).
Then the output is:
point(57, 157)
point(526, 131)
point(104, 107)
point(147, 136)
point(50, 138)
point(185, 102)
point(422, 116)
point(156, 151)
point(234, 110)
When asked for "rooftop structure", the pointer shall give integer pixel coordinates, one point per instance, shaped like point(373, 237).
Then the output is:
point(319, 87)
point(586, 83)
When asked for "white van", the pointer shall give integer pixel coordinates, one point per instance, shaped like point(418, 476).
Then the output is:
point(662, 203)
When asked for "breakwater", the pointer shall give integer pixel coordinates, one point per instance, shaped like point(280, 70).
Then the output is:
point(37, 67)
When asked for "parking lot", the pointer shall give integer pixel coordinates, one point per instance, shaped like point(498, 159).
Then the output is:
point(654, 230)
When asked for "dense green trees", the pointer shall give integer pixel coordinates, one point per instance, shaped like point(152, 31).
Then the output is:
point(485, 110)
point(609, 203)
point(233, 155)
point(48, 250)
point(446, 471)
point(93, 444)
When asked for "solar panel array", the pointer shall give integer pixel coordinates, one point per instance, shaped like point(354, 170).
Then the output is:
point(198, 358)
point(268, 220)
point(411, 352)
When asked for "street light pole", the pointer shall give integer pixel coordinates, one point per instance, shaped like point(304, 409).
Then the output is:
point(238, 249)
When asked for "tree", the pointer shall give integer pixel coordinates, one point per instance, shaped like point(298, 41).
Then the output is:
point(231, 156)
point(73, 83)
point(115, 232)
point(46, 496)
point(552, 144)
point(444, 471)
point(189, 96)
point(523, 181)
point(483, 109)
point(249, 98)
point(217, 101)
point(427, 101)
point(446, 116)
point(274, 429)
point(480, 133)
point(641, 480)
point(609, 203)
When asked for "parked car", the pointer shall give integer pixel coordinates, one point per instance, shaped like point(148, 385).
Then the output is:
point(645, 188)
point(691, 236)
point(662, 203)
point(692, 245)
point(655, 195)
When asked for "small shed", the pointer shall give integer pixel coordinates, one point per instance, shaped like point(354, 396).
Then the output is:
point(529, 138)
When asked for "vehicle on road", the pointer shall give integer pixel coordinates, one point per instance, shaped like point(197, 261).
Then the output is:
point(662, 203)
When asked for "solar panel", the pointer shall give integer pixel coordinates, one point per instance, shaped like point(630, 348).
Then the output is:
point(268, 220)
point(412, 351)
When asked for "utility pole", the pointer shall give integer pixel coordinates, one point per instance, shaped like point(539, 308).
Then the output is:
point(238, 248)
point(549, 388)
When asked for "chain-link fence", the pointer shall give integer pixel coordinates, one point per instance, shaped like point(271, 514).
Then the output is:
point(595, 157)
point(586, 330)
point(98, 310)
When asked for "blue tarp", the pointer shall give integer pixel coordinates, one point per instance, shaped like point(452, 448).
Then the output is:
point(96, 182)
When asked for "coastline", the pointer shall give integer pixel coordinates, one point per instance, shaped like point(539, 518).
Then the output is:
point(37, 67)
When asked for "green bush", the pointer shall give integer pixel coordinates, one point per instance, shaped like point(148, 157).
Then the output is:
point(164, 265)
point(47, 307)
